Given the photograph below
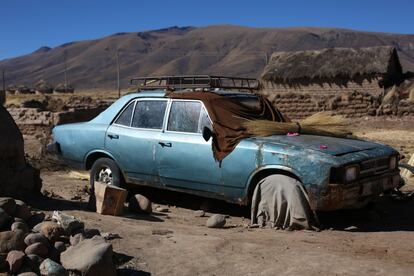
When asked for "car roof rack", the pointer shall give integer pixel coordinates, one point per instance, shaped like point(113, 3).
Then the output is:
point(195, 82)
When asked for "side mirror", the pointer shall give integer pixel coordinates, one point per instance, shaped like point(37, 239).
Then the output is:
point(207, 133)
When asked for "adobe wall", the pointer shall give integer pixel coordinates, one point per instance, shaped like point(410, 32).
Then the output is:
point(349, 104)
point(326, 89)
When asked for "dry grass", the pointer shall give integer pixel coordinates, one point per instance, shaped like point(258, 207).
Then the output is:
point(79, 175)
point(321, 123)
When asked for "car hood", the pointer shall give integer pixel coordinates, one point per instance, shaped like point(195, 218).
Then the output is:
point(329, 145)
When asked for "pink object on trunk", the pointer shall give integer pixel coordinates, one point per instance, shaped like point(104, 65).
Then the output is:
point(323, 146)
point(291, 134)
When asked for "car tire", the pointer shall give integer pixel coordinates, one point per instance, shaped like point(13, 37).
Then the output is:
point(104, 170)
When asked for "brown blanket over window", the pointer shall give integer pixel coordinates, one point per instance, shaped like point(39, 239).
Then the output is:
point(228, 116)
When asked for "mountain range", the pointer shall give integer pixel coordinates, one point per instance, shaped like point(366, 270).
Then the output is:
point(221, 49)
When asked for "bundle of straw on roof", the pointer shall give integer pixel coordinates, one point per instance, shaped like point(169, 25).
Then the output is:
point(322, 123)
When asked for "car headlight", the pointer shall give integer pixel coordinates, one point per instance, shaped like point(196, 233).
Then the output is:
point(351, 173)
point(393, 162)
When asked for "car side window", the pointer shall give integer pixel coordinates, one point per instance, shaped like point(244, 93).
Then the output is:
point(125, 118)
point(184, 116)
point(204, 121)
point(149, 114)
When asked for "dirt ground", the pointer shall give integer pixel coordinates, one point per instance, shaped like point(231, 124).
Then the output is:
point(378, 240)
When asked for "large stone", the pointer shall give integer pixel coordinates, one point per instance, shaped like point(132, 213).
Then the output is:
point(17, 178)
point(51, 268)
point(90, 257)
point(216, 221)
point(35, 238)
point(12, 240)
point(140, 204)
point(52, 230)
point(20, 226)
point(33, 261)
point(38, 249)
point(15, 259)
point(8, 204)
point(22, 210)
point(4, 218)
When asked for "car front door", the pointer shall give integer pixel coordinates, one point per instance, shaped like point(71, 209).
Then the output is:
point(133, 138)
point(185, 159)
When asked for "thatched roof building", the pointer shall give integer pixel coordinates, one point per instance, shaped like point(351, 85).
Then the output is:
point(61, 88)
point(377, 67)
point(43, 87)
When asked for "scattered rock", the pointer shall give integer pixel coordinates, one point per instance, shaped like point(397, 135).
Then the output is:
point(36, 238)
point(74, 240)
point(60, 246)
point(20, 226)
point(69, 223)
point(12, 240)
point(351, 228)
point(27, 274)
point(51, 230)
point(140, 204)
point(89, 233)
point(15, 259)
point(34, 262)
point(35, 219)
point(110, 236)
point(22, 211)
point(90, 257)
point(216, 221)
point(51, 268)
point(38, 248)
point(8, 204)
point(162, 209)
point(4, 218)
point(3, 262)
point(199, 213)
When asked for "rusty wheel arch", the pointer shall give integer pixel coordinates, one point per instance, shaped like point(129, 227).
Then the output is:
point(95, 156)
point(262, 174)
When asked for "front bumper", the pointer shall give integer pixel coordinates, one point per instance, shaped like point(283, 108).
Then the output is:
point(355, 195)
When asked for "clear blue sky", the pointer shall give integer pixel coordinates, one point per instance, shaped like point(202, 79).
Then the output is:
point(28, 25)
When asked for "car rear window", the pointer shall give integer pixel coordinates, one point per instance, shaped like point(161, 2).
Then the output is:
point(149, 114)
point(184, 116)
point(125, 117)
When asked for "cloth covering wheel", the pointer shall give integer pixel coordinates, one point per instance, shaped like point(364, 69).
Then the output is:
point(280, 201)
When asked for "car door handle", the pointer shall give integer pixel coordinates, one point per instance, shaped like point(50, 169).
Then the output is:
point(113, 136)
point(168, 145)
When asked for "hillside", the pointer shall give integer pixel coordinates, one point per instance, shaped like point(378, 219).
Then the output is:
point(225, 49)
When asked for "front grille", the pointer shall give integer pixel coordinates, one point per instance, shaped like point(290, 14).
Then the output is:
point(374, 166)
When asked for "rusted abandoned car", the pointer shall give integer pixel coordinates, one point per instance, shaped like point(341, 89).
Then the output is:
point(176, 133)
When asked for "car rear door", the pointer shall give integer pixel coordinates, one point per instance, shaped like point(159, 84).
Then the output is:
point(133, 138)
point(185, 159)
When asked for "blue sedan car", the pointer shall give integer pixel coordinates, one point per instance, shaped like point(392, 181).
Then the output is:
point(147, 138)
